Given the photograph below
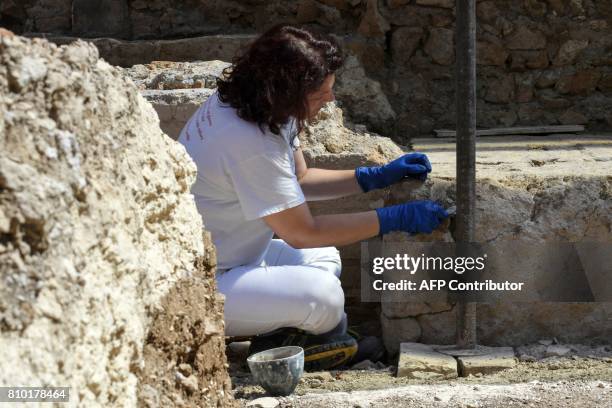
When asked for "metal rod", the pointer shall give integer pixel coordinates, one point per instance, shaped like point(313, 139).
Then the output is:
point(465, 92)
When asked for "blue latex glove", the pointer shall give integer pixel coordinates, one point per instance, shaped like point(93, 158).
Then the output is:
point(415, 165)
point(415, 216)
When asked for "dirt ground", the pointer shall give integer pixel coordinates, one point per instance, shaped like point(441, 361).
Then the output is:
point(581, 378)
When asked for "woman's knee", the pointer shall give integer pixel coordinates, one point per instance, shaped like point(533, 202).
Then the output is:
point(327, 302)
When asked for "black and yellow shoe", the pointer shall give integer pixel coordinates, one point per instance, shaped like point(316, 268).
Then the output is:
point(320, 352)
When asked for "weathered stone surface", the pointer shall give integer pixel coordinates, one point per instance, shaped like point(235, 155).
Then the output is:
point(396, 331)
point(264, 402)
point(371, 53)
point(177, 75)
point(307, 11)
point(487, 10)
point(106, 278)
point(524, 93)
point(175, 107)
point(526, 39)
point(488, 53)
point(129, 53)
point(404, 41)
point(535, 8)
point(501, 90)
point(437, 3)
point(569, 51)
point(438, 328)
point(551, 102)
point(523, 60)
point(580, 83)
point(440, 46)
point(373, 24)
point(363, 98)
point(348, 147)
point(392, 4)
point(548, 79)
point(493, 360)
point(571, 117)
point(421, 361)
point(167, 88)
point(556, 350)
point(105, 18)
point(50, 16)
point(605, 83)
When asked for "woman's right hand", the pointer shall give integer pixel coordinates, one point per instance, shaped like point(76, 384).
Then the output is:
point(413, 217)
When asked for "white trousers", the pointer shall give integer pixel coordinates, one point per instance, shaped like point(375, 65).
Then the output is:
point(296, 288)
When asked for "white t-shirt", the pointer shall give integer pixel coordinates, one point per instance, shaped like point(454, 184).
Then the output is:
point(244, 174)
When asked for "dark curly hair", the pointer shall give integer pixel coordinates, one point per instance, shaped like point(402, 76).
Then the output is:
point(268, 83)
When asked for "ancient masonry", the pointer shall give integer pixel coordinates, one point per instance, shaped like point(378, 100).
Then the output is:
point(539, 62)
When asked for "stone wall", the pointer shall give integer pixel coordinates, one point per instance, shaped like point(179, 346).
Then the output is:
point(539, 62)
point(106, 277)
point(527, 189)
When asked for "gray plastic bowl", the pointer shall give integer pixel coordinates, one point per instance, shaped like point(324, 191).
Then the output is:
point(278, 370)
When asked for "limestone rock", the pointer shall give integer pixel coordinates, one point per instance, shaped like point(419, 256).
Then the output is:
point(440, 46)
point(177, 75)
point(578, 84)
point(101, 237)
point(501, 90)
point(396, 331)
point(105, 18)
point(572, 117)
point(177, 89)
point(492, 360)
point(526, 39)
point(362, 97)
point(535, 8)
point(373, 24)
point(370, 52)
point(528, 59)
point(491, 54)
point(393, 4)
point(486, 10)
point(569, 51)
point(264, 402)
point(404, 41)
point(437, 3)
point(605, 83)
point(422, 362)
point(329, 143)
point(557, 350)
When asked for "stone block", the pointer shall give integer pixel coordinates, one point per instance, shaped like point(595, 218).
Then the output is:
point(581, 83)
point(490, 54)
point(526, 39)
point(571, 117)
point(104, 18)
point(440, 46)
point(373, 24)
point(569, 51)
point(396, 331)
point(404, 41)
point(422, 362)
point(449, 4)
point(492, 360)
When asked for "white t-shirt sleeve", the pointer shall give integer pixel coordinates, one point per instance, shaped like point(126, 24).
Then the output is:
point(266, 184)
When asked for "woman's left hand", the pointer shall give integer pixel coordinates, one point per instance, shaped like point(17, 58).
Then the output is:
point(413, 165)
